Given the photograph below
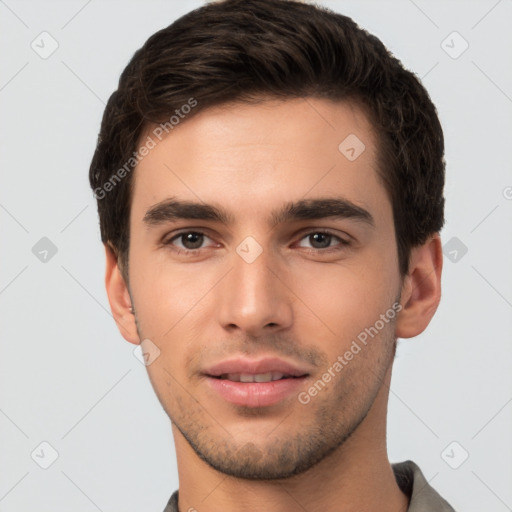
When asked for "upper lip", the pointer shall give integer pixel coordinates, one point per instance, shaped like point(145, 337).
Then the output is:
point(255, 366)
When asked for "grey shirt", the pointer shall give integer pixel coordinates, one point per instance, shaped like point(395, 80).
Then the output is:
point(410, 479)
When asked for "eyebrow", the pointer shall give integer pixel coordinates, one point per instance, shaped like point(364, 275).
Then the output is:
point(305, 209)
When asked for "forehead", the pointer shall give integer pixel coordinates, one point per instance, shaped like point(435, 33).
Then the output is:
point(252, 156)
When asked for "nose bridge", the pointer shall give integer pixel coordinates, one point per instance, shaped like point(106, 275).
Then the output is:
point(253, 298)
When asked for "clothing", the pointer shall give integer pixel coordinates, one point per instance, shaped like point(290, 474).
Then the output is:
point(422, 497)
point(410, 479)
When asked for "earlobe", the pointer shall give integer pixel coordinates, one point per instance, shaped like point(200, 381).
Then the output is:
point(119, 298)
point(421, 291)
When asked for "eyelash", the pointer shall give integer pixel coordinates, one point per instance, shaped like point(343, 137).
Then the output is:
point(190, 252)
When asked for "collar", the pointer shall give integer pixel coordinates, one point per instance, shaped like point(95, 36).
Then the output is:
point(410, 479)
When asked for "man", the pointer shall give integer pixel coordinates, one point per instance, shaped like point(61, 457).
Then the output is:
point(270, 190)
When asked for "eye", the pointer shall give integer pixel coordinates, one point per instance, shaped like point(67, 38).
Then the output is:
point(322, 240)
point(190, 241)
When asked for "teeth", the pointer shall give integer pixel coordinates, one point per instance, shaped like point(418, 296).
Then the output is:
point(263, 377)
point(259, 377)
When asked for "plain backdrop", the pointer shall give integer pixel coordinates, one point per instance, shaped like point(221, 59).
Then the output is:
point(70, 381)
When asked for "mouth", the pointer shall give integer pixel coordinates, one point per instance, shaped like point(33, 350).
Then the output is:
point(242, 369)
point(251, 383)
point(258, 377)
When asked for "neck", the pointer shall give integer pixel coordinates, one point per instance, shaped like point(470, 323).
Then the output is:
point(356, 476)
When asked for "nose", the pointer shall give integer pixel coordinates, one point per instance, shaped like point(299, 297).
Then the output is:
point(254, 297)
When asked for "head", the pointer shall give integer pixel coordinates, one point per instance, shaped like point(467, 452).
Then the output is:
point(270, 182)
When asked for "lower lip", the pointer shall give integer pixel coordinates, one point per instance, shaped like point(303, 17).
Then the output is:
point(255, 394)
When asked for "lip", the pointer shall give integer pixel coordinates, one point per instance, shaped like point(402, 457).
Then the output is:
point(255, 394)
point(253, 366)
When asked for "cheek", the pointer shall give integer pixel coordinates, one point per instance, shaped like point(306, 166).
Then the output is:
point(338, 301)
point(168, 297)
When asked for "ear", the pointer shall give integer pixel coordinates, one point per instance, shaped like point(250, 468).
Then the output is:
point(421, 290)
point(119, 298)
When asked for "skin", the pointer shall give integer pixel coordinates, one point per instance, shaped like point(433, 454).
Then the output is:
point(296, 301)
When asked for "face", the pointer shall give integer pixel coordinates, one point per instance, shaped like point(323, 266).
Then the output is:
point(261, 256)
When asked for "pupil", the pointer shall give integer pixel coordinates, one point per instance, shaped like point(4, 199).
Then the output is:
point(326, 239)
point(195, 239)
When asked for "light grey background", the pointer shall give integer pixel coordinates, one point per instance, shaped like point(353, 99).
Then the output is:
point(68, 378)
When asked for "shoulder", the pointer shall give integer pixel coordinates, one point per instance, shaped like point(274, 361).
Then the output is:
point(172, 504)
point(422, 496)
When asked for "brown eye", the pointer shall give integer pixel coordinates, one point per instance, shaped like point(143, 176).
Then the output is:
point(192, 240)
point(322, 240)
point(187, 240)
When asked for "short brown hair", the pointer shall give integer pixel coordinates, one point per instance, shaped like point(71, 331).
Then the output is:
point(242, 50)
